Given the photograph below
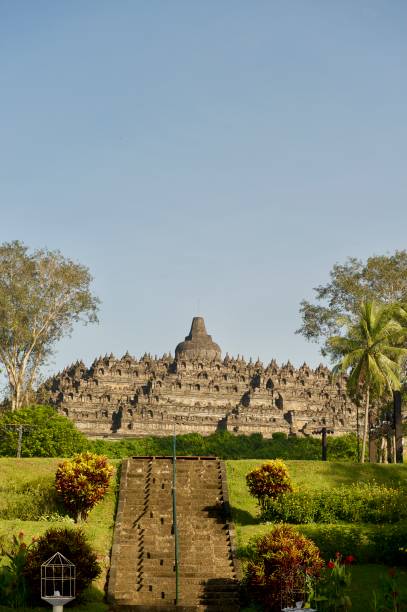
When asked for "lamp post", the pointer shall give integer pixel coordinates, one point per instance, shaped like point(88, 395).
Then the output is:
point(324, 431)
point(58, 581)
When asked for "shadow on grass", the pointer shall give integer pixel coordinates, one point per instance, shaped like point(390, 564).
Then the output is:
point(389, 475)
point(242, 517)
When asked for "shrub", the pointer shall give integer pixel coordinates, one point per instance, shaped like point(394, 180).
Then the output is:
point(48, 434)
point(82, 482)
point(381, 544)
point(28, 501)
point(357, 503)
point(225, 445)
point(268, 482)
point(281, 561)
point(73, 545)
point(13, 585)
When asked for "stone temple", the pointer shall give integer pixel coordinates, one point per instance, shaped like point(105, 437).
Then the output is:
point(201, 391)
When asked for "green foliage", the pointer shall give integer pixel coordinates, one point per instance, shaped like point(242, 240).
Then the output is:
point(335, 581)
point(47, 434)
point(71, 543)
point(343, 448)
point(28, 473)
point(382, 278)
point(269, 482)
point(42, 294)
point(357, 503)
point(371, 349)
point(82, 482)
point(28, 501)
point(368, 543)
point(372, 354)
point(279, 564)
point(228, 446)
point(387, 595)
point(13, 585)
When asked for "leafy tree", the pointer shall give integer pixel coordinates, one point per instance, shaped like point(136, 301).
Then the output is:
point(42, 294)
point(269, 481)
point(371, 352)
point(82, 482)
point(381, 278)
point(45, 433)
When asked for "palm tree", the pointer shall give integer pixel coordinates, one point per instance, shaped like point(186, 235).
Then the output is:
point(371, 353)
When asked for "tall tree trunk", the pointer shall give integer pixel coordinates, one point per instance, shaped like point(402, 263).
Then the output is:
point(366, 426)
point(398, 425)
point(383, 449)
point(373, 442)
point(17, 395)
point(16, 375)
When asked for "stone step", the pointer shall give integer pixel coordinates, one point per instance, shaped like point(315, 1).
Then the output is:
point(144, 575)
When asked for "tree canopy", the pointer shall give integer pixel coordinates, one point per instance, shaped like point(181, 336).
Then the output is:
point(45, 433)
point(42, 294)
point(371, 352)
point(382, 278)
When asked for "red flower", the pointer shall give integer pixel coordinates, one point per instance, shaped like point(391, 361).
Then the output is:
point(349, 559)
point(331, 564)
point(338, 555)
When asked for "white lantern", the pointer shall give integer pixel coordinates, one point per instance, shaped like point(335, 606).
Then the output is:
point(58, 578)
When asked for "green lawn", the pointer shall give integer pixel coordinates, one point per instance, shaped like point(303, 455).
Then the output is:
point(317, 475)
point(20, 480)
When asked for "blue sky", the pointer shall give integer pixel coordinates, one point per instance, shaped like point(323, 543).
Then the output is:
point(211, 158)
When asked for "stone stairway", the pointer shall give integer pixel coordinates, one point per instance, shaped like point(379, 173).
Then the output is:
point(142, 574)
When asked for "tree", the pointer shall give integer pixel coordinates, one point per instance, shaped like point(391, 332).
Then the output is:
point(42, 294)
point(82, 482)
point(371, 352)
point(382, 278)
point(45, 433)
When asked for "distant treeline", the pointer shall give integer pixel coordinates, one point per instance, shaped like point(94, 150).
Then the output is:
point(228, 446)
point(45, 433)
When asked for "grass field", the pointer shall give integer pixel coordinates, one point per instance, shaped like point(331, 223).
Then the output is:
point(21, 481)
point(314, 475)
point(26, 489)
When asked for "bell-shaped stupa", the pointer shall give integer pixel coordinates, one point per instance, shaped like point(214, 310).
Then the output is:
point(198, 344)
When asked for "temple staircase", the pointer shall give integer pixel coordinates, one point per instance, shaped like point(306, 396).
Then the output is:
point(142, 575)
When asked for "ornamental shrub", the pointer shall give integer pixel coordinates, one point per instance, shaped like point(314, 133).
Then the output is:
point(82, 482)
point(358, 503)
point(268, 482)
point(283, 562)
point(71, 543)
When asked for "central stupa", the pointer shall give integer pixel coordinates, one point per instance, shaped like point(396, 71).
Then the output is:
point(198, 344)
